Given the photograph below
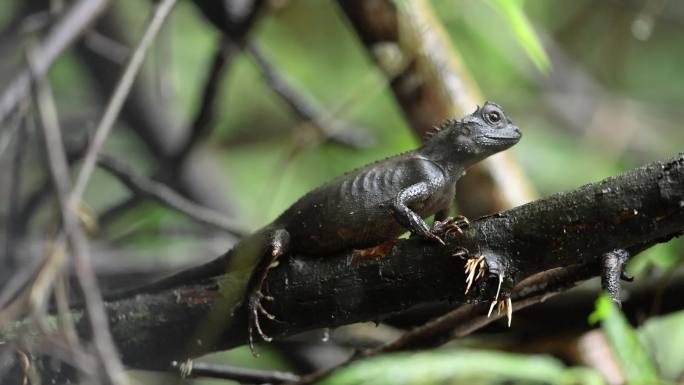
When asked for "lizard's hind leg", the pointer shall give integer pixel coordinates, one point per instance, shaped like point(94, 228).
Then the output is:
point(278, 242)
point(613, 270)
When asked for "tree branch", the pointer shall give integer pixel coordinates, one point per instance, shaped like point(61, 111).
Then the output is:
point(633, 211)
point(59, 170)
point(117, 100)
point(466, 319)
point(205, 116)
point(637, 208)
point(70, 26)
point(241, 375)
point(168, 197)
point(329, 127)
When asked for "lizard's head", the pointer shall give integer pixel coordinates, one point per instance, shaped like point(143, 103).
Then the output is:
point(489, 130)
point(483, 133)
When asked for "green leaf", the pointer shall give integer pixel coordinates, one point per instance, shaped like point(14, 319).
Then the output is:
point(512, 11)
point(636, 364)
point(462, 366)
point(664, 336)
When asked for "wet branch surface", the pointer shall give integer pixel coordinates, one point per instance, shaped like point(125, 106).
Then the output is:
point(643, 206)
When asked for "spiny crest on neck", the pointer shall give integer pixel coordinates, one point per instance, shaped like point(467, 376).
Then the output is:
point(429, 134)
point(450, 123)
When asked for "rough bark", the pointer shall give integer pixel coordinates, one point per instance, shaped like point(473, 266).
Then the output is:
point(640, 207)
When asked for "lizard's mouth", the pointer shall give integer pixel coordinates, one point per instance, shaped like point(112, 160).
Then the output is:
point(503, 138)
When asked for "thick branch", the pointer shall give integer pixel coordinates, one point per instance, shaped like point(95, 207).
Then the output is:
point(639, 207)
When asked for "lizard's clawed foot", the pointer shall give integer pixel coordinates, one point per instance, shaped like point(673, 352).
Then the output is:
point(432, 236)
point(626, 277)
point(491, 265)
point(474, 269)
point(451, 225)
point(502, 306)
point(255, 308)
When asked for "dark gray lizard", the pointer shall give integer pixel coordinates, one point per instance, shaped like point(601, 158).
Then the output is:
point(365, 207)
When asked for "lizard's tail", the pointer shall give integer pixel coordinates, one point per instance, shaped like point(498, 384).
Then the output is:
point(246, 253)
point(207, 270)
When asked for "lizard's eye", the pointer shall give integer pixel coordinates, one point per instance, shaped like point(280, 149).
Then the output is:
point(493, 117)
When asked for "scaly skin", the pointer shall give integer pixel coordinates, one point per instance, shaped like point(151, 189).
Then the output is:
point(369, 205)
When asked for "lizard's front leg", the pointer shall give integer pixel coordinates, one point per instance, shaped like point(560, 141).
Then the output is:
point(408, 218)
point(450, 225)
point(444, 224)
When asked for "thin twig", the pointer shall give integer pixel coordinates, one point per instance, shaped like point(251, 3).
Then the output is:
point(14, 187)
point(69, 202)
point(7, 136)
point(70, 26)
point(201, 125)
point(327, 125)
point(242, 375)
point(117, 209)
point(166, 196)
point(117, 100)
point(59, 170)
point(44, 190)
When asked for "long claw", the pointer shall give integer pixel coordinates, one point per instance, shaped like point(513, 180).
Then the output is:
point(626, 277)
point(509, 310)
point(474, 269)
point(255, 307)
point(263, 335)
point(265, 312)
point(470, 270)
point(480, 269)
point(451, 225)
point(250, 332)
point(502, 306)
point(498, 288)
point(491, 307)
point(452, 229)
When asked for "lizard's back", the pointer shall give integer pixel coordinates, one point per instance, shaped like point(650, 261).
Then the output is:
point(352, 211)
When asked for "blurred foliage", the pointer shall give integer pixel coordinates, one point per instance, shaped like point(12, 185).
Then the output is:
point(650, 354)
point(664, 339)
point(461, 367)
point(636, 365)
point(513, 12)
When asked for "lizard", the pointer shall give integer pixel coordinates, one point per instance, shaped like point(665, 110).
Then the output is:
point(365, 207)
